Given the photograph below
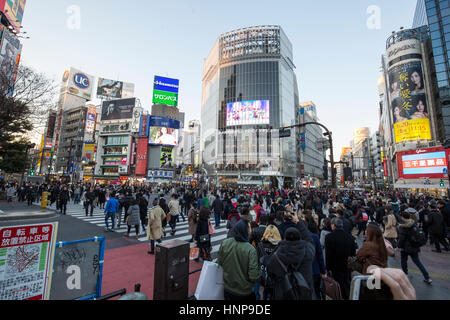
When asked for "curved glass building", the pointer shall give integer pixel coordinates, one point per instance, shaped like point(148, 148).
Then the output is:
point(249, 91)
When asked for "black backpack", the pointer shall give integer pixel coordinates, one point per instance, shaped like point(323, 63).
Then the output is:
point(417, 237)
point(292, 285)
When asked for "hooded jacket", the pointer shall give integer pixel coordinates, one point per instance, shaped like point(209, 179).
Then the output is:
point(239, 261)
point(404, 236)
point(297, 255)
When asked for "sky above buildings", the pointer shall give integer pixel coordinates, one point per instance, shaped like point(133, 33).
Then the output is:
point(337, 46)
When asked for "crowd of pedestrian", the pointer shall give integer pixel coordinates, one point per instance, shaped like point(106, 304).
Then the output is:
point(281, 243)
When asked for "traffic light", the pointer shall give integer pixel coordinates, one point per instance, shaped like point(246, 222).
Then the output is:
point(348, 175)
point(442, 183)
point(32, 172)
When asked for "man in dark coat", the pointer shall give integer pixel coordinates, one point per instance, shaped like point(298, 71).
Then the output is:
point(217, 207)
point(296, 254)
point(347, 225)
point(89, 201)
point(339, 246)
point(446, 214)
point(291, 220)
point(436, 228)
point(407, 248)
point(64, 196)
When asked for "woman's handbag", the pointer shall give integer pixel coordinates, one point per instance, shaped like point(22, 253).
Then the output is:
point(204, 238)
point(389, 248)
point(354, 265)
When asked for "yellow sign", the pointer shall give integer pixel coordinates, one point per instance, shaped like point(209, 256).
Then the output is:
point(415, 129)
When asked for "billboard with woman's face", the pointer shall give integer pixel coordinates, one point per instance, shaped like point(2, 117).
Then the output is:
point(408, 99)
point(163, 131)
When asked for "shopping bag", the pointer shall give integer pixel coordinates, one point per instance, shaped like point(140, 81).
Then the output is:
point(389, 248)
point(193, 253)
point(210, 284)
point(211, 228)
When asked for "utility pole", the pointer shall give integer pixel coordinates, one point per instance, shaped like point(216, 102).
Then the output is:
point(70, 156)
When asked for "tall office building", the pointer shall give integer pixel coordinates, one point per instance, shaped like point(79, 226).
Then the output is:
point(310, 158)
point(436, 15)
point(249, 91)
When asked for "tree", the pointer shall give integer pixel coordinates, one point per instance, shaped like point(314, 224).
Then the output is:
point(25, 100)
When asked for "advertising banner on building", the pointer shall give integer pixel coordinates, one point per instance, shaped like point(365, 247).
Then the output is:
point(113, 89)
point(248, 113)
point(90, 119)
point(77, 83)
point(26, 261)
point(163, 131)
point(118, 109)
point(51, 125)
point(141, 157)
point(13, 11)
point(165, 91)
point(135, 123)
point(88, 152)
point(166, 84)
point(422, 163)
point(409, 102)
point(144, 125)
point(10, 53)
point(166, 158)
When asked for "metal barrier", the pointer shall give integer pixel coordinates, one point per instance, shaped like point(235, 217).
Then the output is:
point(113, 294)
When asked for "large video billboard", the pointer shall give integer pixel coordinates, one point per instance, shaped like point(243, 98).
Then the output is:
point(77, 83)
point(163, 131)
point(422, 163)
point(248, 113)
point(118, 109)
point(409, 102)
point(13, 11)
point(113, 89)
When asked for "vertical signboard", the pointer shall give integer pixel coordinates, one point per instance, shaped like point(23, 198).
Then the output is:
point(26, 261)
point(10, 52)
point(165, 91)
point(408, 97)
point(141, 157)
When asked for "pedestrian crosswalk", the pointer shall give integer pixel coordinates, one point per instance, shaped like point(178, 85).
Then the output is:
point(182, 227)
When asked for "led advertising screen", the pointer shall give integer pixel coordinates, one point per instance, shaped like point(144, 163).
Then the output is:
point(420, 163)
point(163, 131)
point(113, 89)
point(409, 102)
point(118, 109)
point(248, 113)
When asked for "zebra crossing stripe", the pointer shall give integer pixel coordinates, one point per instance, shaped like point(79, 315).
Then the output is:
point(182, 227)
